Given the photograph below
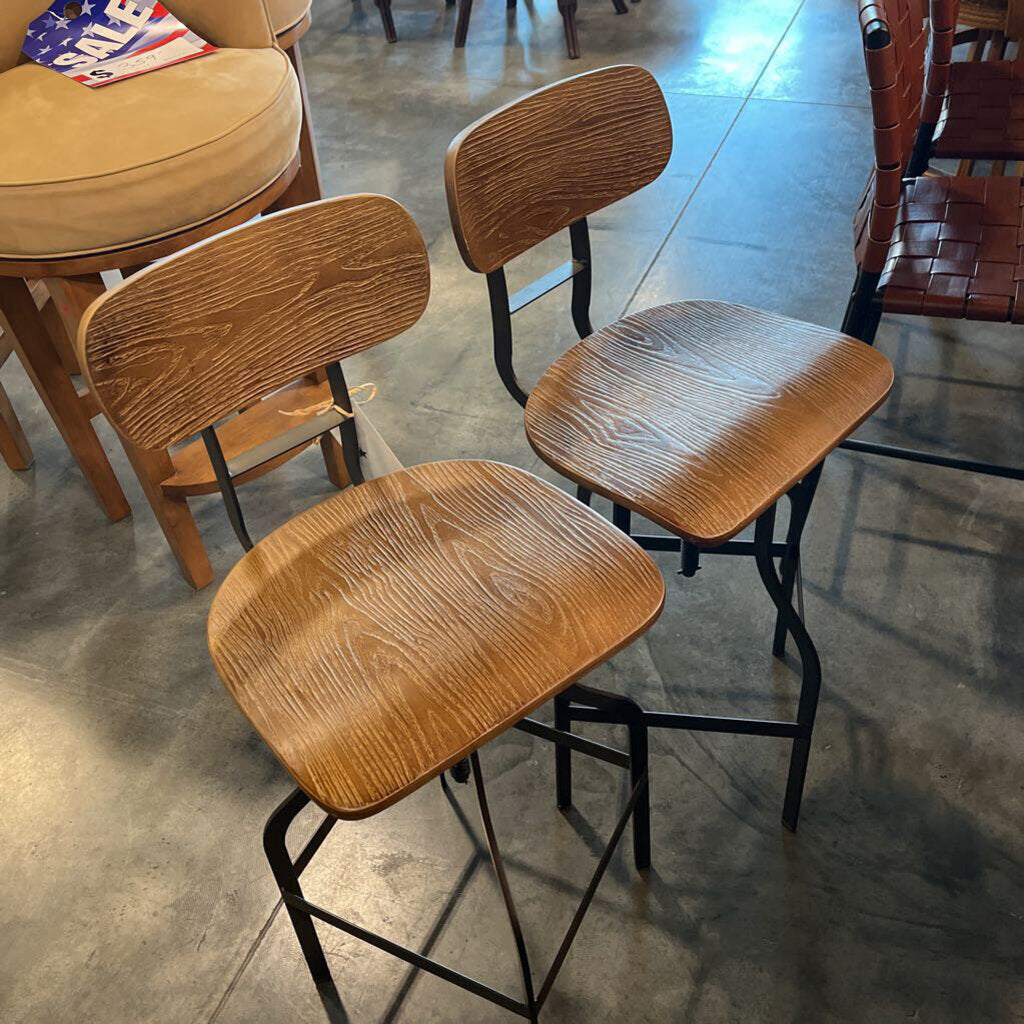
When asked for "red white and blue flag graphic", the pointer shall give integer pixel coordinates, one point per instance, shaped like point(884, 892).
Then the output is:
point(98, 42)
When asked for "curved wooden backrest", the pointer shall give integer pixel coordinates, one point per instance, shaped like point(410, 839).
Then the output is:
point(183, 343)
point(895, 42)
point(540, 163)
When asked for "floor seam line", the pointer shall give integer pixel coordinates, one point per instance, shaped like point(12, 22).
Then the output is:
point(246, 960)
point(711, 162)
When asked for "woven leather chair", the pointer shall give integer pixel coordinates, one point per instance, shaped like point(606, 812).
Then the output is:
point(145, 167)
point(926, 246)
point(972, 109)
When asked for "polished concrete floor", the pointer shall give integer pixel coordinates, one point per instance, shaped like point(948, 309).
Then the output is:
point(133, 793)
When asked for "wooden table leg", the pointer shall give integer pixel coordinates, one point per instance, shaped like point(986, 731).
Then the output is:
point(41, 362)
point(14, 446)
point(173, 514)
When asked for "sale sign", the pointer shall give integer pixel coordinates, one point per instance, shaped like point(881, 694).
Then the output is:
point(98, 42)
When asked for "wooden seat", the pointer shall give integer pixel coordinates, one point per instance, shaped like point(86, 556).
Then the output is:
point(383, 635)
point(701, 415)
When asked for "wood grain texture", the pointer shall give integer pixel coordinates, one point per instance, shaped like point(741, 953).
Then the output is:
point(384, 634)
point(181, 344)
point(540, 163)
point(700, 415)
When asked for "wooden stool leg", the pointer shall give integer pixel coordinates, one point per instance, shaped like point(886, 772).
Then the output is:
point(462, 22)
point(567, 8)
point(306, 187)
point(54, 323)
point(334, 460)
point(173, 514)
point(39, 357)
point(14, 446)
point(388, 21)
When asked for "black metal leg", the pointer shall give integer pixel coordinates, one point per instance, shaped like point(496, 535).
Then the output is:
point(621, 518)
point(563, 755)
point(506, 892)
point(628, 712)
point(287, 877)
point(582, 494)
point(810, 664)
point(863, 311)
point(800, 507)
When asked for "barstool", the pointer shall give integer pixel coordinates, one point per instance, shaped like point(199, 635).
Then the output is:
point(146, 167)
point(699, 416)
point(392, 630)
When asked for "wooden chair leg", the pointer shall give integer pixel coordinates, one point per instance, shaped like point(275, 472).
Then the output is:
point(462, 22)
point(173, 514)
point(58, 330)
point(334, 460)
point(384, 6)
point(70, 414)
point(14, 446)
point(306, 188)
point(567, 8)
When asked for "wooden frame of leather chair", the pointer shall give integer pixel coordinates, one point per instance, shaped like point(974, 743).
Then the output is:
point(308, 180)
point(42, 341)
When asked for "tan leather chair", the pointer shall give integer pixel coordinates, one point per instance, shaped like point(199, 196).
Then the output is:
point(113, 178)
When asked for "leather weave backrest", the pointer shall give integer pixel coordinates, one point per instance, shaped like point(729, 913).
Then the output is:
point(215, 327)
point(943, 19)
point(895, 44)
point(533, 167)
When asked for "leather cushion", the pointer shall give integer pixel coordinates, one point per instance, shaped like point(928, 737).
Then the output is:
point(284, 14)
point(83, 170)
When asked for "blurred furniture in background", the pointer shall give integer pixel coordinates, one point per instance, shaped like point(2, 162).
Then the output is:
point(972, 109)
point(566, 8)
point(145, 167)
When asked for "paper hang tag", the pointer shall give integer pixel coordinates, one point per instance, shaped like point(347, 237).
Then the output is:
point(377, 459)
point(98, 42)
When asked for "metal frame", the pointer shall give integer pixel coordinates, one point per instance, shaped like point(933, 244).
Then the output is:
point(613, 709)
point(338, 415)
point(780, 585)
point(301, 911)
point(861, 320)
